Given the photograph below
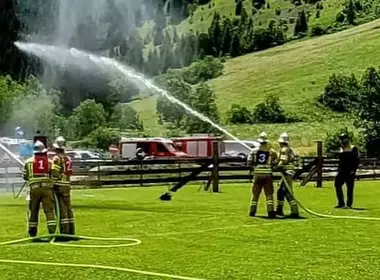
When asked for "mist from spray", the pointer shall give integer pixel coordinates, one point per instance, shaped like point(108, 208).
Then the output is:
point(80, 58)
point(97, 26)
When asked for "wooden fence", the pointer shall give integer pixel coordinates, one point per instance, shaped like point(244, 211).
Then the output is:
point(210, 171)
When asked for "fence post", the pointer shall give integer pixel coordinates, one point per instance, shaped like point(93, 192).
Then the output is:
point(99, 182)
point(319, 164)
point(215, 171)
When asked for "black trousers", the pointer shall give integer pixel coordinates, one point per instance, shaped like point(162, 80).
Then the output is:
point(344, 177)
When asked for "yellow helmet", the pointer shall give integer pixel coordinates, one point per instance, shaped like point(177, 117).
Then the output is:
point(284, 138)
point(263, 138)
point(59, 143)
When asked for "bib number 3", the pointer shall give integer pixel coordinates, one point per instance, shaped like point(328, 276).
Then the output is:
point(262, 158)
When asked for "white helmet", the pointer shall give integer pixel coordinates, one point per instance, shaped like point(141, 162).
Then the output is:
point(59, 143)
point(263, 138)
point(284, 138)
point(39, 147)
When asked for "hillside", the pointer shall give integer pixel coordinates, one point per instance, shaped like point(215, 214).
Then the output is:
point(277, 9)
point(159, 35)
point(296, 71)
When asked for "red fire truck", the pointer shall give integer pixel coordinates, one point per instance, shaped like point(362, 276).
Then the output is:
point(197, 146)
point(144, 148)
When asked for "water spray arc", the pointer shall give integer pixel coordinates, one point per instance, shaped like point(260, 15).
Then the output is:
point(55, 54)
point(76, 57)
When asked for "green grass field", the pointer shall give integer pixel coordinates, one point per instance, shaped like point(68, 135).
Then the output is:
point(204, 235)
point(298, 73)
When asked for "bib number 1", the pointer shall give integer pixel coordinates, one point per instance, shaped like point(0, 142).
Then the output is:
point(41, 165)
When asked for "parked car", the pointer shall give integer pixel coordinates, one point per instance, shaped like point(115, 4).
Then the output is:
point(83, 155)
point(233, 148)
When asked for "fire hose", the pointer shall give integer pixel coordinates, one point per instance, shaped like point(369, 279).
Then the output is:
point(126, 242)
point(131, 241)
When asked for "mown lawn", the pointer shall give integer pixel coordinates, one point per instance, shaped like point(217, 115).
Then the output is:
point(204, 235)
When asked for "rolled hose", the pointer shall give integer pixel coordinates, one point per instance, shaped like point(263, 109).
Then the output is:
point(307, 210)
point(52, 239)
point(132, 242)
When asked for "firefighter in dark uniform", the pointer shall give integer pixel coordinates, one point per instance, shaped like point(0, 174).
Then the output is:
point(348, 164)
point(286, 167)
point(262, 158)
point(37, 171)
point(62, 186)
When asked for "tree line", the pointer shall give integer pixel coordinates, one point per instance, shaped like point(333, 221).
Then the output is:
point(360, 98)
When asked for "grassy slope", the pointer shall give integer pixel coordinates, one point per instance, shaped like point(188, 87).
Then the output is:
point(202, 17)
point(298, 72)
point(204, 235)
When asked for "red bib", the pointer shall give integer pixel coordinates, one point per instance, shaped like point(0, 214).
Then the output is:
point(40, 165)
point(68, 166)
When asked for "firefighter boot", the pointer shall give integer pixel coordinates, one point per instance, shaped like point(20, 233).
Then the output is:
point(294, 209)
point(280, 209)
point(253, 208)
point(270, 208)
point(271, 214)
point(32, 231)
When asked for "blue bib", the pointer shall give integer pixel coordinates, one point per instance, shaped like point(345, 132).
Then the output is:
point(262, 157)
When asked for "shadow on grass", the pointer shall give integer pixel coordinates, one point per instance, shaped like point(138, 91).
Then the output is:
point(358, 209)
point(154, 209)
point(280, 218)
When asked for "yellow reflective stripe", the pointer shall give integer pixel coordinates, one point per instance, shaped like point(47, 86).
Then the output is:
point(61, 183)
point(30, 170)
point(56, 167)
point(284, 157)
point(39, 180)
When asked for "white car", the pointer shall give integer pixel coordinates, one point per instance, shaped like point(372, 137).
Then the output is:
point(236, 149)
point(83, 155)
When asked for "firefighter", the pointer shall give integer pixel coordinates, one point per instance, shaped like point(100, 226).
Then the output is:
point(37, 172)
point(348, 164)
point(286, 167)
point(262, 158)
point(62, 187)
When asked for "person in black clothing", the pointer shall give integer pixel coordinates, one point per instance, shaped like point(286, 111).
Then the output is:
point(348, 164)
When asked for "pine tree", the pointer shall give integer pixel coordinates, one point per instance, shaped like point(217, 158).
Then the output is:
point(166, 53)
point(153, 65)
point(239, 8)
point(247, 39)
point(204, 44)
point(158, 36)
point(175, 36)
point(136, 53)
point(244, 17)
point(176, 11)
point(258, 4)
point(235, 45)
point(176, 58)
point(215, 34)
point(138, 18)
point(160, 19)
point(301, 24)
point(185, 9)
point(350, 11)
point(227, 36)
point(11, 59)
